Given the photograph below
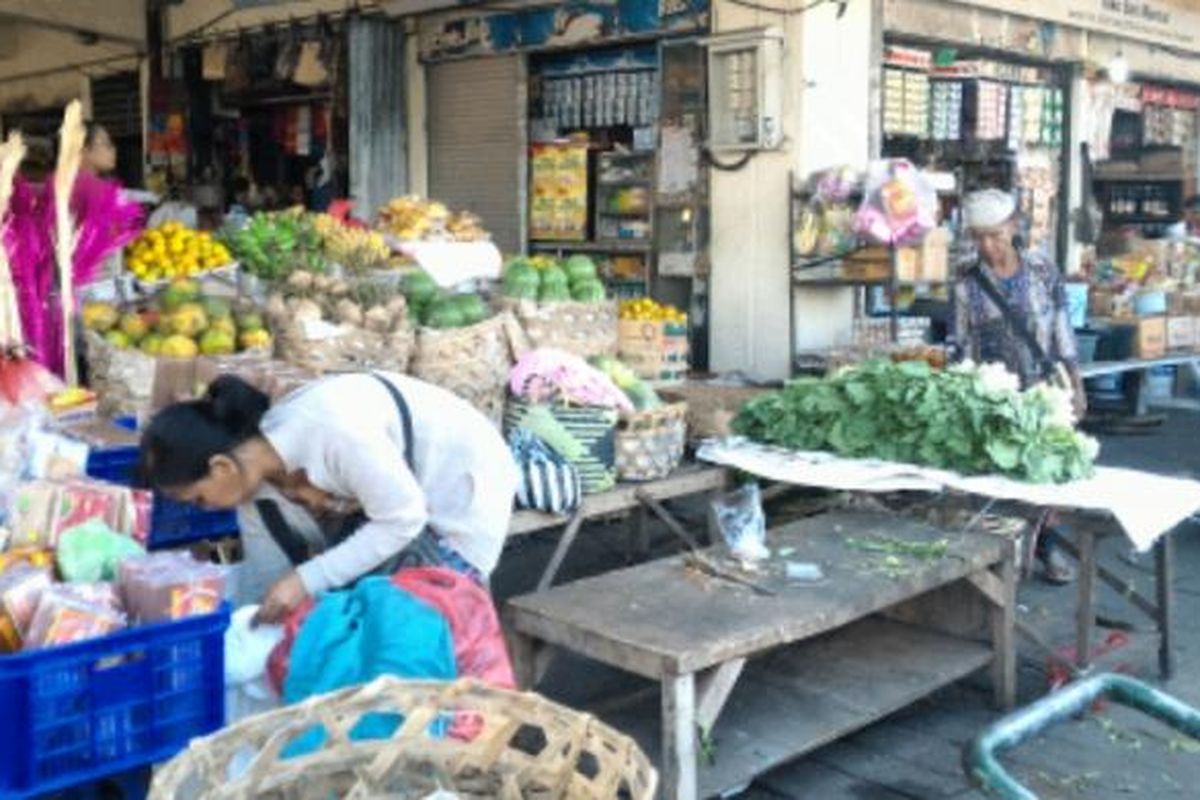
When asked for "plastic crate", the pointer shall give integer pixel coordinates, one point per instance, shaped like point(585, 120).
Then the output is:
point(172, 524)
point(86, 712)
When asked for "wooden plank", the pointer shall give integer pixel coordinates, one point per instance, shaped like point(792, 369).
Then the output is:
point(663, 612)
point(693, 479)
point(679, 738)
point(807, 695)
point(990, 586)
point(713, 690)
point(1004, 633)
point(560, 552)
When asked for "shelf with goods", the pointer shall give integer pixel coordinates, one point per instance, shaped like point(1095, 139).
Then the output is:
point(839, 259)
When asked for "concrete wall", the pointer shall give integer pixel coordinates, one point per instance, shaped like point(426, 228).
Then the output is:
point(210, 17)
point(827, 121)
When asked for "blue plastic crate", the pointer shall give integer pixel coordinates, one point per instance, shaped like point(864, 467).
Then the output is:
point(172, 524)
point(90, 711)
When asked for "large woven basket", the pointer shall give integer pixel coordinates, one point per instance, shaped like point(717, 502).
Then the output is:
point(711, 407)
point(584, 329)
point(342, 348)
point(472, 362)
point(594, 428)
point(464, 738)
point(650, 444)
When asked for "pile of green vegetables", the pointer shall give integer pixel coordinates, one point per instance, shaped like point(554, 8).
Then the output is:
point(271, 246)
point(546, 280)
point(969, 419)
point(433, 307)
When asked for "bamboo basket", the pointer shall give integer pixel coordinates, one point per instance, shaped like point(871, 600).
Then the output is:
point(650, 444)
point(462, 738)
point(711, 407)
point(593, 428)
point(584, 329)
point(328, 347)
point(472, 362)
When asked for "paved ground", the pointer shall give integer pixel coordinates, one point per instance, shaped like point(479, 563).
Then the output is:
point(915, 754)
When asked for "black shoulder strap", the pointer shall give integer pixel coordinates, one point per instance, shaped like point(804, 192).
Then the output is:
point(405, 419)
point(1014, 320)
point(290, 541)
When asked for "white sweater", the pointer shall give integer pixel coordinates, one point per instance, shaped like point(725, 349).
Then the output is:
point(345, 432)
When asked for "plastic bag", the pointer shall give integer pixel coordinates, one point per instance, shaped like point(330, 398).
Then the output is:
point(899, 205)
point(21, 588)
point(479, 648)
point(63, 618)
point(92, 552)
point(247, 649)
point(170, 586)
point(743, 525)
point(548, 482)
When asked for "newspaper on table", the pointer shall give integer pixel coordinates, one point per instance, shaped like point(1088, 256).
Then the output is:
point(1144, 504)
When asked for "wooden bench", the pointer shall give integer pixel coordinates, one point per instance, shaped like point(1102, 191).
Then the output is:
point(639, 497)
point(777, 669)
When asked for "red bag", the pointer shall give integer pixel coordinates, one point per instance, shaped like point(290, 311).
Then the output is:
point(280, 660)
point(479, 648)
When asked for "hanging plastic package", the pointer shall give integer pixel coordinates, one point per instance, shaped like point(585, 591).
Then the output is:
point(899, 205)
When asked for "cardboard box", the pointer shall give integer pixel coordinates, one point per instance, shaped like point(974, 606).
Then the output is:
point(1150, 339)
point(1181, 333)
point(655, 351)
point(928, 262)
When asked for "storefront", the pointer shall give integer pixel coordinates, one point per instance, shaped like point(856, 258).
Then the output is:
point(578, 130)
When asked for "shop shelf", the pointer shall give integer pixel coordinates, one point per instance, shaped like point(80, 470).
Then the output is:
point(97, 710)
point(172, 524)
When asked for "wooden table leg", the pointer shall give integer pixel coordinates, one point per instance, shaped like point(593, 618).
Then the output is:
point(638, 548)
point(1164, 563)
point(1085, 611)
point(1004, 634)
point(560, 552)
point(679, 737)
point(523, 651)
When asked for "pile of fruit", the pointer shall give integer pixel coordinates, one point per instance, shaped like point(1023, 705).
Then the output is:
point(412, 219)
point(173, 251)
point(312, 296)
point(180, 322)
point(549, 281)
point(436, 308)
point(271, 246)
point(356, 248)
point(644, 309)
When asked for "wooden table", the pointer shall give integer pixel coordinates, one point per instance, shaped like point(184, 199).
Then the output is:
point(772, 673)
point(640, 497)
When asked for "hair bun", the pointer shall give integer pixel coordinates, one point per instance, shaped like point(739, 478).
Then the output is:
point(236, 405)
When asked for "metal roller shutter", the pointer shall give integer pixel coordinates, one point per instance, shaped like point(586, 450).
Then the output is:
point(477, 142)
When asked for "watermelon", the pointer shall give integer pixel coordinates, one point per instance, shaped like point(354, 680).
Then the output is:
point(555, 277)
point(419, 288)
point(521, 281)
point(472, 308)
point(554, 293)
point(579, 267)
point(588, 290)
point(444, 314)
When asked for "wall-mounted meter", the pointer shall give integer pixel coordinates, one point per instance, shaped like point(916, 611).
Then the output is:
point(745, 90)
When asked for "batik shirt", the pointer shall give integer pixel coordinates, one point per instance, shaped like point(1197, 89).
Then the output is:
point(1037, 295)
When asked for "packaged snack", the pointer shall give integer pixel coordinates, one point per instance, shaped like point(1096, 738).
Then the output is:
point(30, 512)
point(100, 593)
point(43, 510)
point(63, 618)
point(21, 589)
point(92, 551)
point(55, 456)
point(169, 586)
point(33, 556)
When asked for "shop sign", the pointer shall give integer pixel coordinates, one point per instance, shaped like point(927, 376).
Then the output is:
point(1173, 23)
point(565, 24)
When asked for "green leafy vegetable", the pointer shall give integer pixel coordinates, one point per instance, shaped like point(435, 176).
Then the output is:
point(969, 419)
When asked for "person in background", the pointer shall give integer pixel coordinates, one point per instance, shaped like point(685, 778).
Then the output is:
point(239, 210)
point(99, 152)
point(1032, 287)
point(395, 472)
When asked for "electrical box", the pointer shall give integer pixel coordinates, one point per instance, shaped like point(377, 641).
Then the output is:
point(745, 90)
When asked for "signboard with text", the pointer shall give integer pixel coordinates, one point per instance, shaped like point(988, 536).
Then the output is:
point(1171, 23)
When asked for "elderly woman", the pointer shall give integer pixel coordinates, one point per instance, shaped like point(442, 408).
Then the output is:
point(1011, 308)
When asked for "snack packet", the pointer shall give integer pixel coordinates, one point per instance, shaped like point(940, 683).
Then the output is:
point(21, 589)
point(63, 618)
point(170, 586)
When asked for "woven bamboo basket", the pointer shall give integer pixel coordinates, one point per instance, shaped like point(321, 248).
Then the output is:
point(711, 407)
point(462, 738)
point(650, 444)
point(472, 362)
point(342, 348)
point(584, 329)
